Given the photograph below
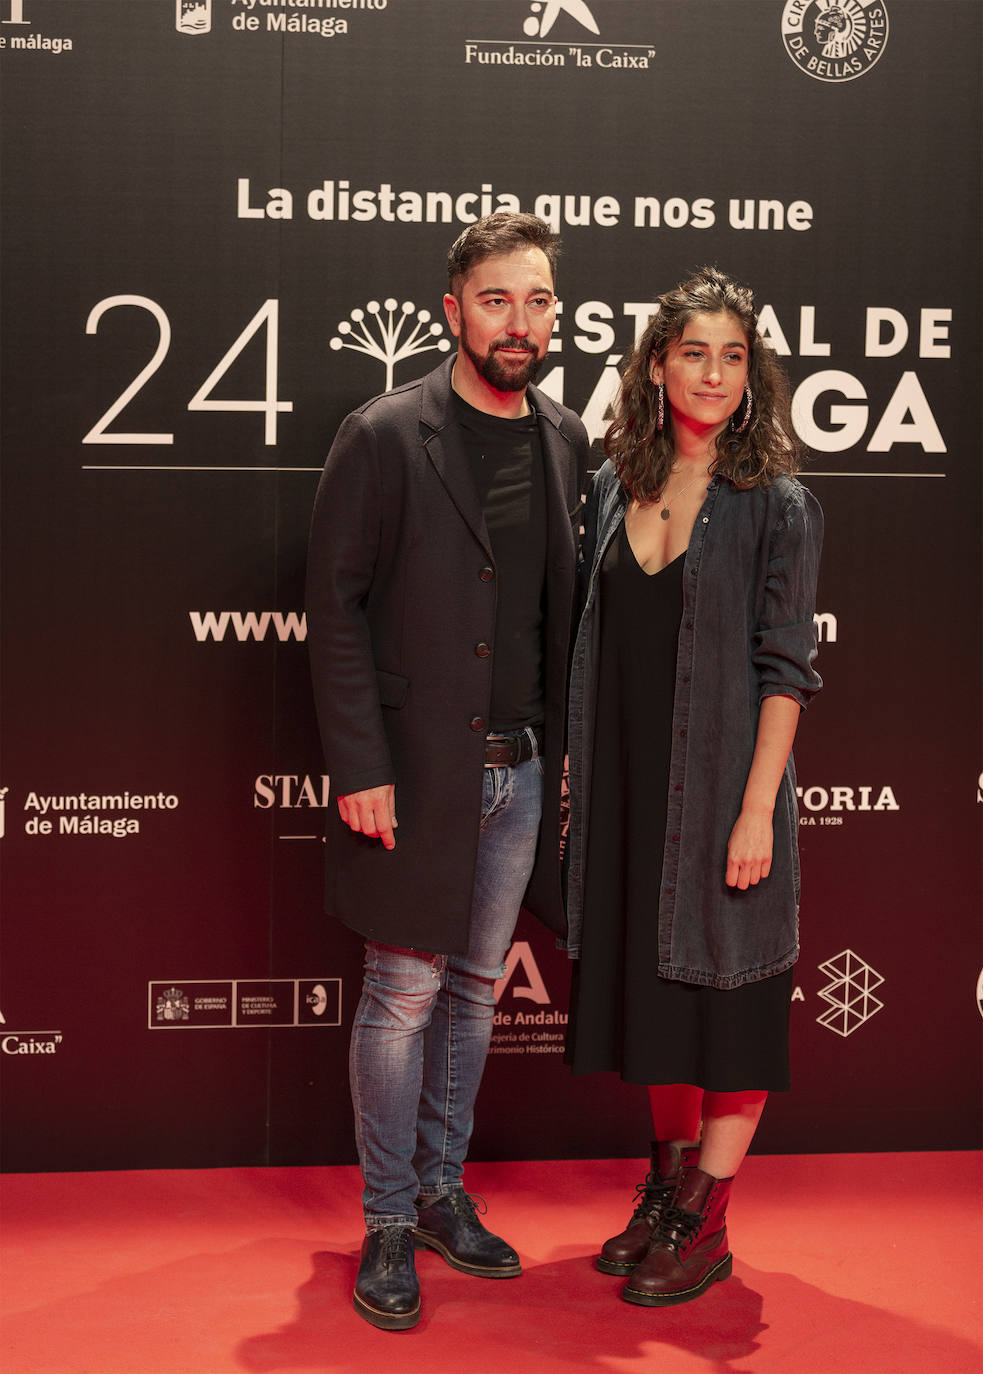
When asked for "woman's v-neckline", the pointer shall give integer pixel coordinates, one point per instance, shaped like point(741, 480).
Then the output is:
point(634, 555)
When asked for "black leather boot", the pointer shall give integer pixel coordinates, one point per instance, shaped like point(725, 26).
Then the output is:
point(387, 1291)
point(450, 1226)
point(621, 1253)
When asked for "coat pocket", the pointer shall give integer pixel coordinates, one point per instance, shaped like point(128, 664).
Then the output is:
point(393, 688)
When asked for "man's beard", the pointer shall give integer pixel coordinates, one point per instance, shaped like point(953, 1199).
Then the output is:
point(502, 375)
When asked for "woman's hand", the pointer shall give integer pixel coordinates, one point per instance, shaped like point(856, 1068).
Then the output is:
point(749, 849)
point(750, 845)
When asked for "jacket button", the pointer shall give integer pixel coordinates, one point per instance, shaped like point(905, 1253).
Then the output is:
point(478, 722)
point(482, 650)
point(487, 574)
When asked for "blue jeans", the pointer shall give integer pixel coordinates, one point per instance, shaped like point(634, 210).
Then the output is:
point(422, 1028)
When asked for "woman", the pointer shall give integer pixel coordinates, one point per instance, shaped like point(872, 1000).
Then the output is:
point(691, 664)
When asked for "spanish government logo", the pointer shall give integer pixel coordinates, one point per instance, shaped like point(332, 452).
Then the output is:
point(173, 1004)
point(835, 40)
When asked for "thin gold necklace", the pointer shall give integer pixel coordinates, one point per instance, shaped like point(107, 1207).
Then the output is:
point(664, 512)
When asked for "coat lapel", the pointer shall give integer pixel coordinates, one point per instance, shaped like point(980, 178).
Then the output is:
point(445, 449)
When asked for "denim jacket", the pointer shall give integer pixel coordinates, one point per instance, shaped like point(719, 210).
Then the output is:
point(747, 632)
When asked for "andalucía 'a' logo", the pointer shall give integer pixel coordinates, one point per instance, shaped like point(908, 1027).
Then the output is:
point(521, 956)
point(388, 343)
point(193, 16)
point(835, 40)
point(545, 13)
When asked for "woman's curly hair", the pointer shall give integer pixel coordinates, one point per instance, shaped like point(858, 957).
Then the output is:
point(643, 455)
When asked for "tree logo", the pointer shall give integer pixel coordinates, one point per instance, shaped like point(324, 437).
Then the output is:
point(396, 335)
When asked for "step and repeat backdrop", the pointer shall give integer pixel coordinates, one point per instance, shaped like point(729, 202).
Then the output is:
point(225, 225)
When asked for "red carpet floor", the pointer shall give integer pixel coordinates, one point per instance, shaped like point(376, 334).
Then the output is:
point(843, 1264)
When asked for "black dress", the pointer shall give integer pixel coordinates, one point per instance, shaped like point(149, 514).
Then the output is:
point(623, 1016)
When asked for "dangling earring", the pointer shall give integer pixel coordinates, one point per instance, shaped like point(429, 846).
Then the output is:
point(660, 419)
point(749, 402)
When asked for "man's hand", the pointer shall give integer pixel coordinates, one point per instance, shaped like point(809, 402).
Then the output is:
point(372, 813)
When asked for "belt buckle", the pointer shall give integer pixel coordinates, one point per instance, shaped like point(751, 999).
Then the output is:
point(507, 750)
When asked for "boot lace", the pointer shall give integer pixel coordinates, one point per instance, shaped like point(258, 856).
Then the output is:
point(653, 1195)
point(676, 1227)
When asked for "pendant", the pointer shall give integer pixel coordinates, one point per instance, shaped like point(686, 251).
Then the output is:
point(664, 512)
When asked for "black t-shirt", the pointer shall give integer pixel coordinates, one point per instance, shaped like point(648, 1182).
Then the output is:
point(507, 462)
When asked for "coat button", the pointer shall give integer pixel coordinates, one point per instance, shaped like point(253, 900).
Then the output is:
point(487, 574)
point(478, 722)
point(482, 650)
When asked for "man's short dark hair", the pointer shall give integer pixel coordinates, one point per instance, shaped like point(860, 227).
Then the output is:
point(494, 235)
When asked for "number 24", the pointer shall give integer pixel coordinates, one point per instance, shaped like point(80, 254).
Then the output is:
point(268, 314)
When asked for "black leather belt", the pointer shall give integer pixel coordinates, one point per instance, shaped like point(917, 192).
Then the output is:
point(505, 751)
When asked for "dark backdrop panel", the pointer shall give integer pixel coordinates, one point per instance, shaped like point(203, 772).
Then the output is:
point(240, 214)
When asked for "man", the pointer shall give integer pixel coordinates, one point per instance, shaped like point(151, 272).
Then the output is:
point(440, 587)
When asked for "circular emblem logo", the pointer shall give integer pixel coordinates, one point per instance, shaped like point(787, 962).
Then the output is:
point(834, 40)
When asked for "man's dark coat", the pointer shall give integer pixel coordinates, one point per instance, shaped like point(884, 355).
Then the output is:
point(401, 597)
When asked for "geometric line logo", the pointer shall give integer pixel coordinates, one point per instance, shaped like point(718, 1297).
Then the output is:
point(850, 993)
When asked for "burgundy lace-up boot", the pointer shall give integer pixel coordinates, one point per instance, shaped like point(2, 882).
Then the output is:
point(621, 1253)
point(689, 1249)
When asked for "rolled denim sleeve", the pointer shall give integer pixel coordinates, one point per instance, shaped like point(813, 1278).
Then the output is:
point(785, 641)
